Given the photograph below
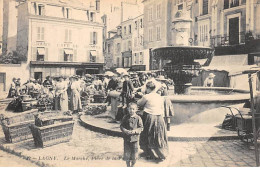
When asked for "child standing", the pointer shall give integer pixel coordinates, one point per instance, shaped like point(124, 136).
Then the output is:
point(131, 126)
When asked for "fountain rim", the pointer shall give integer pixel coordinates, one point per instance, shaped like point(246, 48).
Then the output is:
point(186, 47)
point(244, 95)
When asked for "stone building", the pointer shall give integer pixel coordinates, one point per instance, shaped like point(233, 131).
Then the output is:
point(60, 38)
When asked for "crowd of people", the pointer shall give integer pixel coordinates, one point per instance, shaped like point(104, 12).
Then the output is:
point(143, 91)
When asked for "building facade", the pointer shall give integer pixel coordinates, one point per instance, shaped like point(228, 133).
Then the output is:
point(77, 46)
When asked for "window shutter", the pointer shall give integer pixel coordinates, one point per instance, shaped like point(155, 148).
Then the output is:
point(91, 37)
point(38, 33)
point(70, 33)
point(43, 10)
point(46, 54)
point(34, 53)
point(96, 37)
point(61, 55)
point(42, 34)
point(75, 56)
point(66, 35)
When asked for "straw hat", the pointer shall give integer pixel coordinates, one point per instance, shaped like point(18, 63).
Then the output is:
point(161, 78)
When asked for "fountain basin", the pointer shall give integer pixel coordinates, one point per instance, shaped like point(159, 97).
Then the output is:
point(199, 100)
point(204, 98)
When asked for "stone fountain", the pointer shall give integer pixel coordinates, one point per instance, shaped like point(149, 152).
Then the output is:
point(179, 64)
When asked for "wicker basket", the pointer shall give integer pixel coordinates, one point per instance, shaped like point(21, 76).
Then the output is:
point(16, 125)
point(52, 134)
point(18, 132)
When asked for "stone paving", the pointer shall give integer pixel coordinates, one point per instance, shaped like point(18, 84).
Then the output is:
point(92, 149)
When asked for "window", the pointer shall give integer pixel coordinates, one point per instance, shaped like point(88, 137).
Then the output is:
point(118, 47)
point(141, 58)
point(40, 54)
point(130, 29)
point(150, 35)
point(150, 14)
point(141, 23)
point(137, 61)
point(93, 38)
point(68, 55)
point(117, 61)
point(67, 13)
point(136, 25)
point(92, 17)
point(205, 8)
point(158, 33)
point(226, 4)
point(135, 42)
point(40, 33)
point(125, 30)
point(204, 34)
point(93, 56)
point(108, 48)
point(179, 4)
point(129, 45)
point(41, 9)
point(158, 11)
point(141, 40)
point(68, 33)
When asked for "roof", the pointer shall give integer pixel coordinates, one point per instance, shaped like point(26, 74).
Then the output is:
point(68, 3)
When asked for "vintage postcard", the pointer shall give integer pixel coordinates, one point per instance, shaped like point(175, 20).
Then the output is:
point(129, 83)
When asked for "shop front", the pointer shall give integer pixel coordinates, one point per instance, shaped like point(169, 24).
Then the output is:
point(42, 69)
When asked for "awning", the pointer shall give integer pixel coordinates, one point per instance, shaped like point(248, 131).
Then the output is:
point(229, 60)
point(93, 53)
point(68, 51)
point(41, 51)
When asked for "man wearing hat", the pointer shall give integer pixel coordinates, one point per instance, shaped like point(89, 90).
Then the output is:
point(127, 90)
point(112, 85)
point(209, 81)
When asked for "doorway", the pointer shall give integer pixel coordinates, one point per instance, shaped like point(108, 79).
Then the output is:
point(38, 76)
point(234, 31)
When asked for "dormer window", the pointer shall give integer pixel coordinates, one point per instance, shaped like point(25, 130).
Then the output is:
point(67, 13)
point(92, 16)
point(40, 9)
point(179, 4)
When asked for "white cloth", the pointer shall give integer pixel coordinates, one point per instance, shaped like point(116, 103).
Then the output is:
point(153, 103)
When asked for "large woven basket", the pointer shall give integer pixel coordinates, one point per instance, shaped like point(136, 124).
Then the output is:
point(52, 134)
point(16, 125)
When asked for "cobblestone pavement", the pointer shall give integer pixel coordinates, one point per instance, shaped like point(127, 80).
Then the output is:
point(10, 160)
point(89, 148)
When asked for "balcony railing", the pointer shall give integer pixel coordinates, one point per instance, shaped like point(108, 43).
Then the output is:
point(233, 3)
point(225, 40)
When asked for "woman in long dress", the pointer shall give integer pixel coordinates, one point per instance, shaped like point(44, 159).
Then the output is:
point(61, 96)
point(75, 95)
point(153, 139)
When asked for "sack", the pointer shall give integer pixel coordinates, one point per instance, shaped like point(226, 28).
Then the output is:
point(229, 122)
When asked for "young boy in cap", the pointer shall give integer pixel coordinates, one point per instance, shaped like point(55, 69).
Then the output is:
point(131, 126)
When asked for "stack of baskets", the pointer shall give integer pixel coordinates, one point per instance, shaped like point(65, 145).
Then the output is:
point(16, 125)
point(51, 128)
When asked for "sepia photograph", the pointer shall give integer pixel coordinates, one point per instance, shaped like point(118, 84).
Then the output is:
point(129, 83)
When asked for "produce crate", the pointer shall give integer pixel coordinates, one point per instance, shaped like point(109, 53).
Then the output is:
point(95, 108)
point(27, 105)
point(16, 125)
point(52, 134)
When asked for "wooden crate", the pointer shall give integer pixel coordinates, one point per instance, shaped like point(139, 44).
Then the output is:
point(16, 125)
point(52, 134)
